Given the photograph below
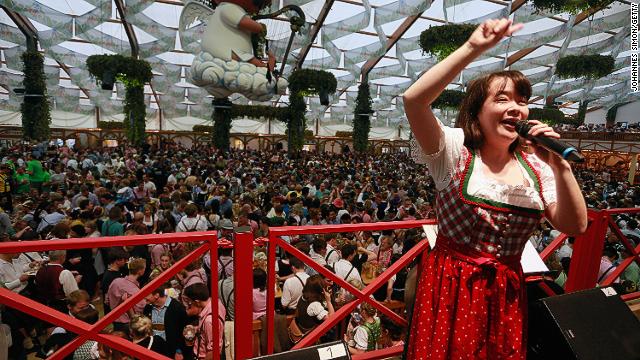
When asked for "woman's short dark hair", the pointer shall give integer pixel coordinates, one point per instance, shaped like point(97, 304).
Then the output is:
point(477, 93)
point(259, 279)
point(314, 288)
point(197, 291)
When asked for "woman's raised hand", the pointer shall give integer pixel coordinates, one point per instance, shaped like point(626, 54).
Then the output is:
point(490, 32)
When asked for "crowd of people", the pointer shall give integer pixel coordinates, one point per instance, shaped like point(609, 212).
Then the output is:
point(617, 128)
point(50, 192)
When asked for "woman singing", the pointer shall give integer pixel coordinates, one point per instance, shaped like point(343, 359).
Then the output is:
point(470, 301)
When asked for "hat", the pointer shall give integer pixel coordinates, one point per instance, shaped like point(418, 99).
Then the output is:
point(226, 224)
point(338, 203)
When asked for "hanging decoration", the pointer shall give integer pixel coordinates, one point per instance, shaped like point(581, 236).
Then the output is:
point(441, 41)
point(36, 117)
point(570, 6)
point(221, 123)
point(548, 115)
point(305, 82)
point(229, 58)
point(111, 125)
point(362, 118)
point(133, 73)
point(612, 113)
point(344, 134)
point(582, 111)
point(449, 99)
point(588, 66)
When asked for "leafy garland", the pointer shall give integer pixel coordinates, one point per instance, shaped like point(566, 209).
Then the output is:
point(449, 99)
point(570, 6)
point(548, 115)
point(589, 66)
point(582, 111)
point(133, 73)
point(362, 118)
point(260, 111)
point(344, 134)
point(613, 113)
point(36, 117)
point(308, 134)
point(221, 122)
point(441, 41)
point(111, 125)
point(202, 128)
point(305, 82)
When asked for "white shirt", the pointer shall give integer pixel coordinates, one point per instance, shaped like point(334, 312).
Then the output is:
point(10, 276)
point(292, 289)
point(442, 163)
point(197, 223)
point(343, 268)
point(67, 280)
point(332, 255)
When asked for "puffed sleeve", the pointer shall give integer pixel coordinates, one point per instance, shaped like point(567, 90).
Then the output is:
point(441, 163)
point(548, 183)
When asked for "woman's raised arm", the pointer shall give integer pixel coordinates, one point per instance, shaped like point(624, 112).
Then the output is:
point(423, 92)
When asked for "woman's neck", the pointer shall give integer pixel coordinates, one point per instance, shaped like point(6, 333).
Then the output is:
point(495, 156)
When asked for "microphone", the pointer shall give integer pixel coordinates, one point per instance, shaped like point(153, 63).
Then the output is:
point(561, 148)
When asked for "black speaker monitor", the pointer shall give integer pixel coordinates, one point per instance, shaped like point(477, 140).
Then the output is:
point(593, 324)
point(337, 350)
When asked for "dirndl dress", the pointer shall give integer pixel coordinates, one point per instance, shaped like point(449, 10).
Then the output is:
point(470, 298)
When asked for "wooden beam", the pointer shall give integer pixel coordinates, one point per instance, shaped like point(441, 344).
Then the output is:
point(397, 34)
point(128, 28)
point(314, 32)
point(524, 52)
point(26, 27)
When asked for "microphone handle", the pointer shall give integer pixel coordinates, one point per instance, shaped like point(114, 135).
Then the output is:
point(568, 153)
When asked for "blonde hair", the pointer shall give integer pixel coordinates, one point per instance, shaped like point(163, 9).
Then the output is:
point(136, 265)
point(140, 326)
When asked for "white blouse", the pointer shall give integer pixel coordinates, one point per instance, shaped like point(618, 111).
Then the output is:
point(443, 162)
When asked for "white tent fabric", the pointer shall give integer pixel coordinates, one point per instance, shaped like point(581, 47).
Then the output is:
point(354, 32)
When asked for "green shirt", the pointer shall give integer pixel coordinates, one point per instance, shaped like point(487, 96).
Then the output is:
point(20, 187)
point(632, 273)
point(35, 167)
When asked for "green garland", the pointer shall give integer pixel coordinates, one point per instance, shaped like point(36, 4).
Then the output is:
point(305, 82)
point(570, 6)
point(582, 111)
point(221, 122)
point(133, 73)
point(36, 117)
point(449, 99)
point(111, 125)
point(613, 113)
point(260, 111)
point(312, 81)
point(441, 41)
point(344, 134)
point(202, 128)
point(308, 134)
point(548, 115)
point(296, 121)
point(362, 118)
point(589, 66)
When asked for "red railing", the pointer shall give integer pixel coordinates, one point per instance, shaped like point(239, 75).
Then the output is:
point(92, 332)
point(587, 252)
point(275, 240)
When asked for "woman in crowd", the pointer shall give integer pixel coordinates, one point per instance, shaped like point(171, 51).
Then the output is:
point(491, 197)
point(313, 308)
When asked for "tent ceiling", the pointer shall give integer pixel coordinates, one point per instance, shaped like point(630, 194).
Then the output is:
point(346, 37)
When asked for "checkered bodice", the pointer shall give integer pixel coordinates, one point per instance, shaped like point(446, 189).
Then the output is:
point(488, 226)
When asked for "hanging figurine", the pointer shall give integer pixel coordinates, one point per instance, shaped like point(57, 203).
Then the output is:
point(226, 63)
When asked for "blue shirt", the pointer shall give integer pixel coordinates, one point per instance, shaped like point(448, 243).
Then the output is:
point(157, 317)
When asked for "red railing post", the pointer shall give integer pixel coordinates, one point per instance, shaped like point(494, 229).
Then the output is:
point(213, 265)
point(271, 292)
point(587, 252)
point(243, 295)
